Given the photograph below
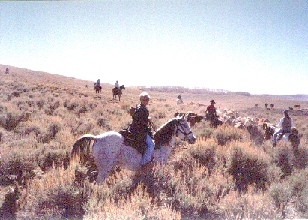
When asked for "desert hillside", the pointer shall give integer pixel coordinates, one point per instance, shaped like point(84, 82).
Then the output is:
point(229, 173)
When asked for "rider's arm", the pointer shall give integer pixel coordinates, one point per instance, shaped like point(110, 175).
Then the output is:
point(279, 125)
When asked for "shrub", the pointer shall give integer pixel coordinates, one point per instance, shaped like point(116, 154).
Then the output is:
point(53, 158)
point(103, 123)
point(16, 167)
point(299, 189)
point(253, 205)
point(282, 157)
point(281, 196)
point(32, 129)
point(54, 195)
point(53, 129)
point(300, 159)
point(202, 131)
point(224, 134)
point(138, 207)
point(248, 166)
point(40, 103)
point(71, 106)
point(204, 152)
point(11, 121)
point(50, 134)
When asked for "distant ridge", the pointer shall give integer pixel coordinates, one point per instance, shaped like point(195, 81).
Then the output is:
point(178, 89)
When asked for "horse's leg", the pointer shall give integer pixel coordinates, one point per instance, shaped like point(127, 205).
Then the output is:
point(103, 171)
point(105, 159)
point(104, 163)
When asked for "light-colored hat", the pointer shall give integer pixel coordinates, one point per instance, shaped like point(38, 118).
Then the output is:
point(143, 96)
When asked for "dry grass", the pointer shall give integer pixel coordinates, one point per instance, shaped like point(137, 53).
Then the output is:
point(224, 175)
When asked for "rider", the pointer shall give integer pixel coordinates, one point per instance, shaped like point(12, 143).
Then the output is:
point(139, 127)
point(211, 114)
point(285, 124)
point(116, 85)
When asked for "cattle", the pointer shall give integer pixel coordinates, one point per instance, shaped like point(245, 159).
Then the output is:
point(271, 106)
point(290, 108)
point(266, 105)
point(256, 105)
point(297, 106)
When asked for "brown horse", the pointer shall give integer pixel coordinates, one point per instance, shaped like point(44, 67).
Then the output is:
point(98, 88)
point(117, 92)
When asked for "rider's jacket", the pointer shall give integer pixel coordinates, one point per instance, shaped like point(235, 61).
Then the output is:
point(286, 124)
point(211, 110)
point(139, 126)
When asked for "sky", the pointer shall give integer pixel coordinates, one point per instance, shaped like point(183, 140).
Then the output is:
point(255, 46)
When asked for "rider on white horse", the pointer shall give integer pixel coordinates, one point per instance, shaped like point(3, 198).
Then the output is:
point(284, 126)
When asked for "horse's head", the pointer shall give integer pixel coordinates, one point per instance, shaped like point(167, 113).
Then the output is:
point(183, 130)
point(269, 130)
point(122, 87)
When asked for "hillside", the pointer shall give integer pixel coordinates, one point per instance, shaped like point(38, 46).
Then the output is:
point(226, 174)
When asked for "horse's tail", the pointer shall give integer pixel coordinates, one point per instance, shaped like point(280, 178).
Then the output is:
point(81, 147)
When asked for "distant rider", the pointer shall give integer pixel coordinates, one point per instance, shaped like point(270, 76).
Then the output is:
point(116, 85)
point(211, 114)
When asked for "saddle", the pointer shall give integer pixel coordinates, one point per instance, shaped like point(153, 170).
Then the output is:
point(293, 132)
point(131, 140)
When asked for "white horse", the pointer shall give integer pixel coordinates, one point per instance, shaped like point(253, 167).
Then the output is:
point(109, 150)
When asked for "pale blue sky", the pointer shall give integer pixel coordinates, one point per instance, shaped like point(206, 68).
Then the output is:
point(254, 46)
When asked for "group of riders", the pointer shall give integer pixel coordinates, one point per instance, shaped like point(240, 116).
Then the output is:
point(98, 84)
point(141, 131)
point(284, 126)
point(140, 125)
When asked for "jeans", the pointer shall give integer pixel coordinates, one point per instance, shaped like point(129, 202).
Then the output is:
point(280, 131)
point(147, 157)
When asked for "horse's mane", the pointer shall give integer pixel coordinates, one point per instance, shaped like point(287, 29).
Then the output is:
point(164, 134)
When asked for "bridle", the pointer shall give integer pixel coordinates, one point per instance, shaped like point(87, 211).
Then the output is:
point(178, 126)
